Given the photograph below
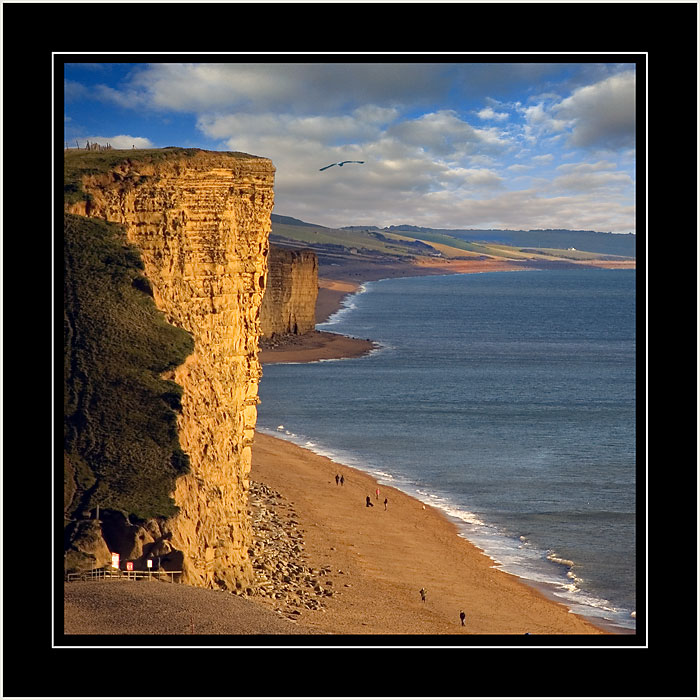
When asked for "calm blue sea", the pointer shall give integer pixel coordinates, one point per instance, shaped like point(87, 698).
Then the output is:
point(506, 399)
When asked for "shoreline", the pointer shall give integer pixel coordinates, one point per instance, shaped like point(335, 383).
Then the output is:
point(376, 560)
point(316, 345)
point(326, 564)
point(331, 296)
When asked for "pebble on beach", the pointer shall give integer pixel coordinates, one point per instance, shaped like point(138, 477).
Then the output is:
point(284, 579)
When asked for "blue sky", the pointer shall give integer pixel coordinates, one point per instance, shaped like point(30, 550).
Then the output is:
point(445, 145)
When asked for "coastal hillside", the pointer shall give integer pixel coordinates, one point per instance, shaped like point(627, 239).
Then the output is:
point(410, 244)
point(599, 242)
point(187, 251)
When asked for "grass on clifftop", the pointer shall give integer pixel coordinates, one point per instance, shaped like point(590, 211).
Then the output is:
point(77, 163)
point(120, 434)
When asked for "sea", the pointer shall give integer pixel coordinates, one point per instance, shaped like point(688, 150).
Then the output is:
point(507, 400)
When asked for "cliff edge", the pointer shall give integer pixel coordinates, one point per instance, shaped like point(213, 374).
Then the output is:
point(200, 221)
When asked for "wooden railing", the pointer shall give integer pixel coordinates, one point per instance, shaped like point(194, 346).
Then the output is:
point(108, 572)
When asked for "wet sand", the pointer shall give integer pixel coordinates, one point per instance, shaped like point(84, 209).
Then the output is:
point(380, 558)
point(315, 346)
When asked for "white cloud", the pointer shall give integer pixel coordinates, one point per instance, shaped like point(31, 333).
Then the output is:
point(587, 167)
point(540, 122)
point(418, 156)
point(602, 114)
point(488, 113)
point(474, 177)
point(129, 99)
point(603, 176)
point(372, 114)
point(445, 134)
point(313, 128)
point(596, 116)
point(511, 209)
point(435, 167)
point(293, 87)
point(591, 181)
point(543, 159)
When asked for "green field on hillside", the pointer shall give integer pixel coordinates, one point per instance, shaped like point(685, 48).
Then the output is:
point(349, 240)
point(404, 243)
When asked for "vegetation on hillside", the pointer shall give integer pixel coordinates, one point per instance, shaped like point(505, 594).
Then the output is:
point(620, 244)
point(120, 435)
point(509, 245)
point(121, 447)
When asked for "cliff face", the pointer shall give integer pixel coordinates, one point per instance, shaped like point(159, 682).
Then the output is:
point(289, 304)
point(202, 225)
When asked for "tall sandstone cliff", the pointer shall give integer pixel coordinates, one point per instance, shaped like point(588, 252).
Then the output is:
point(289, 304)
point(202, 225)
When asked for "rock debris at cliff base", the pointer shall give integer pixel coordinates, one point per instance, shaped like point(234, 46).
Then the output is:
point(284, 578)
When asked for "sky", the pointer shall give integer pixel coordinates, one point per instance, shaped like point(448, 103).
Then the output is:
point(458, 144)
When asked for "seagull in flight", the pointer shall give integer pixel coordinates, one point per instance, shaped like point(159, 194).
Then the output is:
point(341, 164)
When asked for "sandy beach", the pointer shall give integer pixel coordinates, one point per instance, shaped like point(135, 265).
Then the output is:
point(387, 555)
point(365, 568)
point(315, 346)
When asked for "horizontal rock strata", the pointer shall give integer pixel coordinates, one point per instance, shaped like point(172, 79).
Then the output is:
point(289, 304)
point(202, 225)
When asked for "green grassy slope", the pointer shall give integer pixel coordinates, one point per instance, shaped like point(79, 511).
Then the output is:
point(405, 242)
point(121, 449)
point(320, 235)
point(623, 245)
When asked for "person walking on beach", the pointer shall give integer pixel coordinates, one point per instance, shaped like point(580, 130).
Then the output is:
point(386, 500)
point(342, 479)
point(337, 479)
point(462, 616)
point(377, 494)
point(369, 503)
point(422, 594)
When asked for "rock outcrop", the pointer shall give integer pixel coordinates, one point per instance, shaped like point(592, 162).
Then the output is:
point(289, 304)
point(202, 224)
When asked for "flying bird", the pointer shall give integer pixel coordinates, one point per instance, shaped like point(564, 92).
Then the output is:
point(341, 164)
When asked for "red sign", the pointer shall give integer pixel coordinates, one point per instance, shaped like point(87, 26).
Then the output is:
point(130, 566)
point(115, 561)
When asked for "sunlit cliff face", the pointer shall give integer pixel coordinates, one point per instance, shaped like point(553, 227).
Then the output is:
point(202, 225)
point(289, 305)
